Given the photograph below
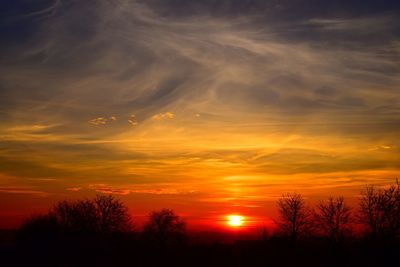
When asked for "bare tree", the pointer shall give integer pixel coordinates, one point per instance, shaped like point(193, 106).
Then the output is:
point(111, 215)
point(165, 227)
point(390, 205)
point(369, 212)
point(294, 215)
point(380, 211)
point(333, 218)
point(77, 217)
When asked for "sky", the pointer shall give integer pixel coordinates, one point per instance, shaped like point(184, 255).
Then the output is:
point(207, 107)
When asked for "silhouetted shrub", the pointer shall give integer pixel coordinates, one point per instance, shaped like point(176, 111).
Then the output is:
point(39, 227)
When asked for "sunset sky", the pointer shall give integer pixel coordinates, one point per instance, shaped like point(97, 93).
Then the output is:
point(207, 107)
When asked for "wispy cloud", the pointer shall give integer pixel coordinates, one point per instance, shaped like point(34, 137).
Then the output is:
point(98, 121)
point(74, 189)
point(162, 116)
point(21, 190)
point(362, 25)
point(139, 189)
point(132, 120)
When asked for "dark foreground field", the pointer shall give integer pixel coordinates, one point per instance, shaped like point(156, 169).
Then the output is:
point(133, 250)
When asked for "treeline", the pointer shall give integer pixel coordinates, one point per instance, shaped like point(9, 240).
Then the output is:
point(97, 232)
point(101, 218)
point(378, 214)
point(100, 232)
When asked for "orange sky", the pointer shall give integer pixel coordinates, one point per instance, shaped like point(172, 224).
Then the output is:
point(206, 114)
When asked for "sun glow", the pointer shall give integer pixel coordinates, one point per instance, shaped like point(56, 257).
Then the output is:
point(235, 220)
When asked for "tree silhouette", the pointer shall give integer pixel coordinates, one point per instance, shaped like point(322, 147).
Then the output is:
point(294, 216)
point(380, 211)
point(75, 217)
point(102, 215)
point(112, 215)
point(333, 218)
point(164, 227)
point(370, 214)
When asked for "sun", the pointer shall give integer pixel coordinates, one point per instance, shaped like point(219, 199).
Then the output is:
point(235, 220)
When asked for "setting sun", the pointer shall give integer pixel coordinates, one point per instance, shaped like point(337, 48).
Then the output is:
point(235, 220)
